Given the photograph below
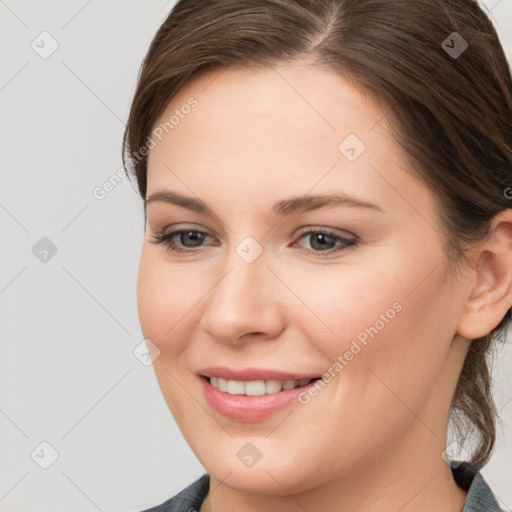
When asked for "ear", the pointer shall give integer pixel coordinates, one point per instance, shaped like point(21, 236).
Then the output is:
point(491, 294)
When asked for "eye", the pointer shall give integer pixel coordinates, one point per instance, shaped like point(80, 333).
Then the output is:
point(323, 242)
point(185, 237)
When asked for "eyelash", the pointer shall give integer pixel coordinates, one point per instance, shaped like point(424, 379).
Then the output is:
point(349, 243)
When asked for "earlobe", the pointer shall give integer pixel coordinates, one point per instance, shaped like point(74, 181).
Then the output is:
point(491, 296)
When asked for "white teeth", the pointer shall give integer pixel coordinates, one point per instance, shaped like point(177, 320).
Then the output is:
point(255, 387)
point(236, 387)
point(274, 386)
point(222, 384)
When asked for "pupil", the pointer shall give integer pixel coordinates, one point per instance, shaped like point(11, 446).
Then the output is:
point(194, 236)
point(324, 238)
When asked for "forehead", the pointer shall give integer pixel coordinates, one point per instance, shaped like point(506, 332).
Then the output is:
point(298, 95)
point(273, 130)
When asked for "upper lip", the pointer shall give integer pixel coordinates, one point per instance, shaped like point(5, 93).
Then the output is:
point(250, 374)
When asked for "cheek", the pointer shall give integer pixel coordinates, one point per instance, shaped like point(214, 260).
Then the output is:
point(341, 303)
point(165, 300)
point(384, 316)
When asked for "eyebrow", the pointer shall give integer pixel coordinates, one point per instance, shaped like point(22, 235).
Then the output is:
point(283, 207)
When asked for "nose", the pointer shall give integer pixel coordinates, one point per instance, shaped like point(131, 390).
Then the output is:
point(244, 302)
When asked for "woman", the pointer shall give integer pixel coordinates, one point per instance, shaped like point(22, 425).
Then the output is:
point(327, 258)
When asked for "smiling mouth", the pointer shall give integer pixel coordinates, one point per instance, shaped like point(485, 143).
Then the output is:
point(256, 387)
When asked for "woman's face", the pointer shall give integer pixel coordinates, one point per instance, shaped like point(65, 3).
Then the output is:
point(278, 284)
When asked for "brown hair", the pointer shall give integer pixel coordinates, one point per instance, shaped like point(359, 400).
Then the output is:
point(451, 113)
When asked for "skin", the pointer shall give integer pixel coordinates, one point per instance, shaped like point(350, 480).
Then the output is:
point(373, 438)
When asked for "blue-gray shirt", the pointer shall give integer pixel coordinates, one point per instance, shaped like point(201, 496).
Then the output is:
point(480, 497)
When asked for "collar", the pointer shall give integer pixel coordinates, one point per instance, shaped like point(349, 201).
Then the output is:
point(480, 497)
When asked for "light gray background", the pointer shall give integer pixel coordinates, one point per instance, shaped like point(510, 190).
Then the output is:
point(69, 325)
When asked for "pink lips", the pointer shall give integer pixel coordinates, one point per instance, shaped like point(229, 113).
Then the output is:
point(250, 408)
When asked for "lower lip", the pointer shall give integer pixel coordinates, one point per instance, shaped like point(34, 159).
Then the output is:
point(250, 408)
